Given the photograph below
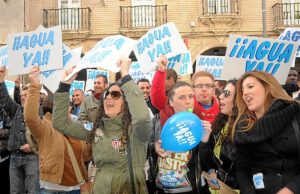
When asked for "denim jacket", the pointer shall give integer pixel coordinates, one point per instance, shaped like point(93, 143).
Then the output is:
point(17, 136)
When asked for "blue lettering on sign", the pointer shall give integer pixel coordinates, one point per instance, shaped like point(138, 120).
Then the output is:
point(98, 56)
point(211, 61)
point(254, 51)
point(41, 39)
point(108, 42)
point(3, 51)
point(173, 60)
point(151, 38)
point(92, 74)
point(39, 59)
point(160, 49)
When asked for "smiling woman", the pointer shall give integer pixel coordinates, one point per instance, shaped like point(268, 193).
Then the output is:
point(120, 135)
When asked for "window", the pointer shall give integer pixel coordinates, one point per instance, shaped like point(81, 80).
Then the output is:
point(219, 6)
point(143, 13)
point(69, 17)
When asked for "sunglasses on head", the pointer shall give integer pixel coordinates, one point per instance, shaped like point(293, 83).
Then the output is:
point(114, 94)
point(226, 93)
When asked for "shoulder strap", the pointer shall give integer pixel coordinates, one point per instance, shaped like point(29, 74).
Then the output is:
point(130, 165)
point(74, 163)
point(297, 133)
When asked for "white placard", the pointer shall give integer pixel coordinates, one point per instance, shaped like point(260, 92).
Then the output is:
point(91, 76)
point(77, 85)
point(163, 40)
point(212, 64)
point(291, 34)
point(42, 48)
point(105, 54)
point(52, 78)
point(137, 73)
point(250, 53)
point(181, 63)
point(10, 87)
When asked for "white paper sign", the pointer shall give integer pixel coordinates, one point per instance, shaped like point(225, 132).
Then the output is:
point(10, 87)
point(181, 63)
point(52, 78)
point(212, 64)
point(163, 40)
point(137, 73)
point(76, 85)
point(3, 56)
point(250, 53)
point(91, 76)
point(77, 51)
point(41, 48)
point(105, 54)
point(291, 34)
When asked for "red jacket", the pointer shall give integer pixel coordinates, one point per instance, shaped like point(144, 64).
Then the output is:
point(160, 101)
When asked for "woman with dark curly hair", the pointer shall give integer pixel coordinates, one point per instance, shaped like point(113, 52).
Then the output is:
point(222, 150)
point(120, 135)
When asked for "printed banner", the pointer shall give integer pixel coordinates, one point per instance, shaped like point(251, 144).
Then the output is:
point(212, 64)
point(181, 63)
point(250, 53)
point(163, 40)
point(42, 48)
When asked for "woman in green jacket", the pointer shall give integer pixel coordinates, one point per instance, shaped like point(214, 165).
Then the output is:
point(123, 122)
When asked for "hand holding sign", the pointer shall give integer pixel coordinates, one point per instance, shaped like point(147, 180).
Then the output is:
point(162, 63)
point(124, 64)
point(66, 73)
point(182, 132)
point(34, 75)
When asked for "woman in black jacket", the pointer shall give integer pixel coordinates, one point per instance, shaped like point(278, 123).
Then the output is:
point(268, 150)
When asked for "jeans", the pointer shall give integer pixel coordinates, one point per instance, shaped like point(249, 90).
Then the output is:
point(24, 173)
point(45, 191)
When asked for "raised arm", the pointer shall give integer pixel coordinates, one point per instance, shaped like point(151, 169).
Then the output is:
point(138, 108)
point(9, 106)
point(158, 88)
point(60, 119)
point(31, 107)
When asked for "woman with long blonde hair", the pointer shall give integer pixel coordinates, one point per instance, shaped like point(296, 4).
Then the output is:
point(265, 136)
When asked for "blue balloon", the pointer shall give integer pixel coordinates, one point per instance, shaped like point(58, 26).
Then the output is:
point(182, 132)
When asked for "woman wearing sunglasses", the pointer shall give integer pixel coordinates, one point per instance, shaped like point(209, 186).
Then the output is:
point(222, 151)
point(120, 136)
point(265, 134)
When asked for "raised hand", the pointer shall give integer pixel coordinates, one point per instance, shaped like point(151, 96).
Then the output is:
point(66, 73)
point(162, 63)
point(34, 75)
point(124, 64)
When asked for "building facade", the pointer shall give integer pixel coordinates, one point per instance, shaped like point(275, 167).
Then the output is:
point(205, 25)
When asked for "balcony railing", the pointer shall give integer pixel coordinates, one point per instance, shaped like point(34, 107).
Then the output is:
point(214, 7)
point(286, 14)
point(68, 18)
point(144, 16)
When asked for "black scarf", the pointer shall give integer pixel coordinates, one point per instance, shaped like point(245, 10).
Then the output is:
point(278, 117)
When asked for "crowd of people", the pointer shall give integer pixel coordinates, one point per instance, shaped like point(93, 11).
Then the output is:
point(109, 142)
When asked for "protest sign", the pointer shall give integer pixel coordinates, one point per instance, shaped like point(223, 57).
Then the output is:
point(77, 51)
point(250, 53)
point(52, 78)
point(291, 34)
point(212, 64)
point(3, 56)
point(163, 40)
point(137, 73)
point(181, 63)
point(91, 76)
point(42, 48)
point(105, 54)
point(77, 85)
